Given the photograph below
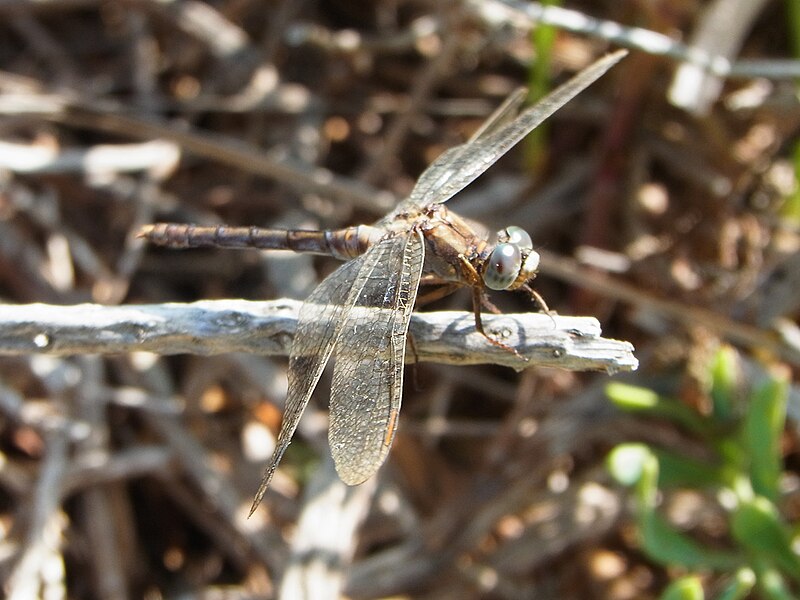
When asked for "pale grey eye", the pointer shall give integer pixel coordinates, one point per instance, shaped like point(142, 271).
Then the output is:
point(517, 235)
point(503, 266)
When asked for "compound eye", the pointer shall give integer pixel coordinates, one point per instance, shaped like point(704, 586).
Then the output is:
point(503, 267)
point(531, 264)
point(517, 235)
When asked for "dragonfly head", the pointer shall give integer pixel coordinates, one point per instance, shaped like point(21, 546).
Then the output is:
point(512, 262)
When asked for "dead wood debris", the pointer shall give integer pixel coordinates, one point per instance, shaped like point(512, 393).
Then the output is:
point(131, 475)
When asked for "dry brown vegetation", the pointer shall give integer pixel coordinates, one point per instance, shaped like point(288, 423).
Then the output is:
point(131, 475)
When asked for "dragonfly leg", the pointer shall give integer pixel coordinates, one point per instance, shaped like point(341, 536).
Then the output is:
point(488, 305)
point(470, 273)
point(537, 297)
point(477, 301)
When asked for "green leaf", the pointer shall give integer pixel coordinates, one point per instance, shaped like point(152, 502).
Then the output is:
point(539, 84)
point(724, 383)
point(665, 544)
point(762, 431)
point(771, 584)
point(661, 541)
point(743, 582)
point(635, 399)
point(626, 462)
point(793, 25)
point(685, 588)
point(678, 471)
point(757, 526)
point(647, 485)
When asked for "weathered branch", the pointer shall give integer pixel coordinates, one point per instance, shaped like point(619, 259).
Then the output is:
point(215, 327)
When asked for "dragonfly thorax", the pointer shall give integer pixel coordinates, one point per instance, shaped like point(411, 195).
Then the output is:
point(512, 261)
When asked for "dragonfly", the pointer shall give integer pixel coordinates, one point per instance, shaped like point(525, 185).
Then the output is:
point(360, 313)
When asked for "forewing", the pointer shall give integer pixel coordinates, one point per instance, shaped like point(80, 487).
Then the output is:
point(368, 374)
point(459, 166)
point(501, 115)
point(320, 323)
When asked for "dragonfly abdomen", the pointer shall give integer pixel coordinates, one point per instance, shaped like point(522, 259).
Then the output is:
point(343, 244)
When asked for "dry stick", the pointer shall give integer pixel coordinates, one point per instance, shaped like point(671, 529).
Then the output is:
point(347, 42)
point(219, 529)
point(720, 31)
point(424, 84)
point(217, 489)
point(46, 525)
point(214, 327)
point(143, 50)
point(231, 151)
point(493, 493)
point(222, 37)
point(221, 148)
point(32, 6)
point(325, 540)
point(105, 549)
point(123, 465)
point(28, 279)
point(46, 48)
point(562, 523)
point(73, 250)
point(157, 156)
point(499, 13)
point(104, 529)
point(506, 13)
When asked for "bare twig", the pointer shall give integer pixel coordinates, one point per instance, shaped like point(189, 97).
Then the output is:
point(214, 327)
point(29, 578)
point(223, 37)
point(720, 32)
point(223, 149)
point(424, 85)
point(327, 535)
point(218, 488)
point(156, 156)
point(528, 14)
point(27, 6)
point(105, 526)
